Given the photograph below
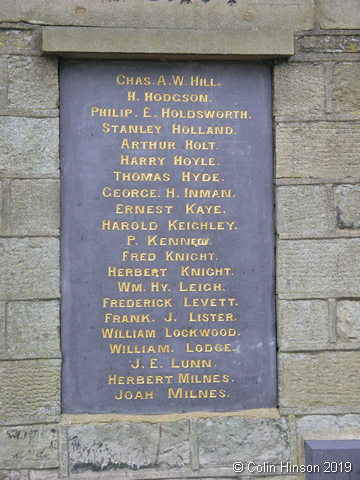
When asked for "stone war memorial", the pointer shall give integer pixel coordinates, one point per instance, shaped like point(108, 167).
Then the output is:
point(180, 240)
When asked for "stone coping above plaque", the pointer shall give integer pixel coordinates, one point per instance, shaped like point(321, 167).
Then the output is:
point(122, 42)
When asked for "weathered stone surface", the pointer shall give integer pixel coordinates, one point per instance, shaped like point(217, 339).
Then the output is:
point(329, 43)
point(44, 475)
point(302, 210)
point(14, 475)
point(34, 207)
point(174, 451)
point(347, 198)
point(348, 320)
point(302, 323)
point(26, 42)
point(2, 327)
point(319, 380)
point(339, 14)
point(328, 424)
point(157, 14)
point(109, 447)
point(298, 89)
point(29, 147)
point(34, 446)
point(225, 440)
point(3, 81)
point(33, 329)
point(318, 150)
point(1, 208)
point(29, 268)
point(346, 94)
point(30, 390)
point(32, 82)
point(319, 268)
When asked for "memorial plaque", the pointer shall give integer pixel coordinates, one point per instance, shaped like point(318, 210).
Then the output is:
point(332, 459)
point(167, 237)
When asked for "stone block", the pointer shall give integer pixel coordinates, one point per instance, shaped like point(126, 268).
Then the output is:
point(33, 329)
point(32, 82)
point(319, 268)
point(339, 14)
point(2, 327)
point(112, 447)
point(3, 81)
point(224, 440)
point(203, 15)
point(302, 210)
point(2, 223)
point(33, 446)
point(327, 379)
point(20, 41)
point(347, 199)
point(318, 150)
point(174, 448)
point(348, 320)
point(35, 207)
point(302, 323)
point(329, 43)
point(44, 475)
point(346, 95)
point(299, 89)
point(29, 268)
point(29, 147)
point(14, 475)
point(330, 427)
point(30, 391)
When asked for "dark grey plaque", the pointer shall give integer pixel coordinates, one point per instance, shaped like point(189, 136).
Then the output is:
point(167, 193)
point(332, 459)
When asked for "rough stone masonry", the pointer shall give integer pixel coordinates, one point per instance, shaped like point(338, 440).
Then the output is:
point(316, 107)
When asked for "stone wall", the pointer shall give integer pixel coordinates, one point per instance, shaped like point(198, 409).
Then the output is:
point(317, 182)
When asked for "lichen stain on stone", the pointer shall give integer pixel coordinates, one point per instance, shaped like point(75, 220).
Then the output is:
point(80, 12)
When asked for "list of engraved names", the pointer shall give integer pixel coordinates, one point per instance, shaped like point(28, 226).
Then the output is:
point(167, 242)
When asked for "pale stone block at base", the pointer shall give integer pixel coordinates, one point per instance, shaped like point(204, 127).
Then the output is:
point(347, 199)
point(33, 446)
point(321, 379)
point(30, 391)
point(318, 150)
point(302, 322)
point(348, 320)
point(29, 268)
point(319, 268)
point(302, 210)
point(33, 329)
point(35, 207)
point(44, 475)
point(112, 447)
point(32, 82)
point(330, 426)
point(298, 89)
point(29, 147)
point(14, 475)
point(235, 438)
